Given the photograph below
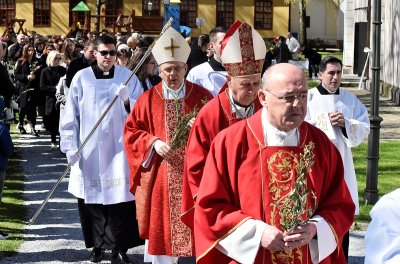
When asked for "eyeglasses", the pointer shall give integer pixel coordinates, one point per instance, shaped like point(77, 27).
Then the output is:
point(57, 58)
point(291, 97)
point(106, 52)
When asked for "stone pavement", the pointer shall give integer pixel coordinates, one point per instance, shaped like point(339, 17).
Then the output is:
point(390, 126)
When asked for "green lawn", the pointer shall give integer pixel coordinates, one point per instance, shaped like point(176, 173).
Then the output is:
point(337, 54)
point(388, 172)
point(12, 211)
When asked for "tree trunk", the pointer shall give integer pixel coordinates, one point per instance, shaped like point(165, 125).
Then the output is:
point(302, 23)
point(99, 3)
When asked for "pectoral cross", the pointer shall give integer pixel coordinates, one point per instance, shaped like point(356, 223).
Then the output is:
point(172, 47)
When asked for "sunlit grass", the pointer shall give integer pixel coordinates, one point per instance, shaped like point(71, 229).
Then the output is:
point(337, 54)
point(388, 172)
point(12, 211)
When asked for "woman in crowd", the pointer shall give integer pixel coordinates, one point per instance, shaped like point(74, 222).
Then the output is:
point(24, 73)
point(68, 52)
point(48, 80)
point(146, 73)
point(123, 57)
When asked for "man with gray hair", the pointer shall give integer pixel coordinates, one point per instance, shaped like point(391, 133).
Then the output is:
point(15, 50)
point(259, 170)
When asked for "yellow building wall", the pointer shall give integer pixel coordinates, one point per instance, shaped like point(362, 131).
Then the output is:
point(244, 10)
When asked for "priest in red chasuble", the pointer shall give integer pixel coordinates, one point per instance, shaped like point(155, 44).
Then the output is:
point(242, 54)
point(273, 189)
point(155, 149)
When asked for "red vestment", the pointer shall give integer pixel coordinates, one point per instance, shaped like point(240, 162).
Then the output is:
point(243, 178)
point(158, 188)
point(213, 118)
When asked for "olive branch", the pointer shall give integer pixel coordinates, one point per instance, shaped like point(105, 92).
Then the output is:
point(295, 205)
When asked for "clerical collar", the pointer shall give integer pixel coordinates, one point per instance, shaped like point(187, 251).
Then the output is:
point(99, 74)
point(240, 110)
point(323, 91)
point(275, 137)
point(170, 94)
point(216, 65)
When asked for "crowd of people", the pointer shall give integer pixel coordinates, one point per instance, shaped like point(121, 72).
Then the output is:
point(204, 152)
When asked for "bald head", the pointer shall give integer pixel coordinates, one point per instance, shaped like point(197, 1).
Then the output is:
point(281, 72)
point(21, 39)
point(284, 94)
point(132, 42)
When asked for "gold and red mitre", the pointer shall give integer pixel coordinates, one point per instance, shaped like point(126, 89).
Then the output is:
point(243, 50)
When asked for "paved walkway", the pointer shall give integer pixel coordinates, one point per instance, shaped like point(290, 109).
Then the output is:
point(56, 236)
point(390, 126)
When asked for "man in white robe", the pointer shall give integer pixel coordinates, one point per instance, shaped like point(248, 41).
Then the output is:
point(343, 118)
point(100, 174)
point(382, 240)
point(211, 74)
point(293, 45)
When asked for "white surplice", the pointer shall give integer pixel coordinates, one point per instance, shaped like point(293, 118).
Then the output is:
point(102, 174)
point(357, 128)
point(382, 240)
point(205, 76)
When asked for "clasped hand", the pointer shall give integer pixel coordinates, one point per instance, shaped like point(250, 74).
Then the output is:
point(337, 119)
point(274, 239)
point(162, 148)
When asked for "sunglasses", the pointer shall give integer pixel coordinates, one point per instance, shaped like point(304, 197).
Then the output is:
point(57, 58)
point(106, 52)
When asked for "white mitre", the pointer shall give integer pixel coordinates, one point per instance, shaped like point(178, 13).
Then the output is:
point(171, 46)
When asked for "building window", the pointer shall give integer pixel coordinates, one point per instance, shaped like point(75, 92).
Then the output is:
point(41, 13)
point(7, 11)
point(113, 9)
point(188, 13)
point(155, 8)
point(81, 15)
point(263, 14)
point(225, 13)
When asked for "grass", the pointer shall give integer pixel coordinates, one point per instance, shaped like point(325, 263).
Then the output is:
point(337, 54)
point(12, 211)
point(388, 172)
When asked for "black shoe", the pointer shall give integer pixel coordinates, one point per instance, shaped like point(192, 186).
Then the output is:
point(120, 258)
point(21, 129)
point(34, 133)
point(97, 255)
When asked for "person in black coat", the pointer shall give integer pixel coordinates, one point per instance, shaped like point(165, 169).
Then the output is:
point(25, 76)
point(16, 50)
point(314, 59)
point(82, 62)
point(198, 53)
point(7, 88)
point(282, 53)
point(48, 81)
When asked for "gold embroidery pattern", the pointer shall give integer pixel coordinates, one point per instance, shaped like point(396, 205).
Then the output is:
point(180, 234)
point(322, 123)
point(353, 132)
point(292, 201)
